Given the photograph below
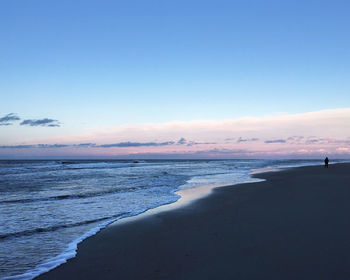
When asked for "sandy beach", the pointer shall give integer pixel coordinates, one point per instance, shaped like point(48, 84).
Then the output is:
point(294, 225)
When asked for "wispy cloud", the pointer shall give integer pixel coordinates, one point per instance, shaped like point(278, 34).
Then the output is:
point(293, 135)
point(17, 146)
point(92, 145)
point(241, 139)
point(182, 141)
point(323, 124)
point(275, 141)
point(136, 144)
point(296, 139)
point(52, 145)
point(86, 145)
point(41, 122)
point(9, 119)
point(127, 144)
point(45, 146)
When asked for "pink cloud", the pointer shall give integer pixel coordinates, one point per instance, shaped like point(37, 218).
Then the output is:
point(284, 135)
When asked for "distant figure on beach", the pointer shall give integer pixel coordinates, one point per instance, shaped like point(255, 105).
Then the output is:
point(326, 160)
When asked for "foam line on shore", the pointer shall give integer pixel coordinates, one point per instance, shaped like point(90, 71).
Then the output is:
point(68, 253)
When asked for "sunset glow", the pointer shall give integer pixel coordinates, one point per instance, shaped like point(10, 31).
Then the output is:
point(174, 79)
point(283, 136)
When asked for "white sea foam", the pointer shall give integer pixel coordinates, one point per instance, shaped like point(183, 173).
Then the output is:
point(68, 253)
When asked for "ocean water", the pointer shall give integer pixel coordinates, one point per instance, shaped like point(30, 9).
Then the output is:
point(48, 207)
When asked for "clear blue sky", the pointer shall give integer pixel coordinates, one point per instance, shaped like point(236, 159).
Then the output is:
point(91, 63)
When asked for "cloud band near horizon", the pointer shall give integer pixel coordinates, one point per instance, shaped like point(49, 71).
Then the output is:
point(305, 135)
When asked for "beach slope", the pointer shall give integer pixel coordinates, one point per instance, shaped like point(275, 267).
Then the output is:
point(294, 225)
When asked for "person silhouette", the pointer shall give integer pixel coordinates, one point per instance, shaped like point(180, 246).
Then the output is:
point(326, 160)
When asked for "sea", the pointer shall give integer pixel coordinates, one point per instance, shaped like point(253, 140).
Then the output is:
point(47, 207)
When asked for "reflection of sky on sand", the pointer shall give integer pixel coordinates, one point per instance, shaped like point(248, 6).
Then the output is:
point(187, 196)
point(263, 170)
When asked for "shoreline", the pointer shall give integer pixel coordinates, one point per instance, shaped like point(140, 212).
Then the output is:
point(185, 197)
point(165, 245)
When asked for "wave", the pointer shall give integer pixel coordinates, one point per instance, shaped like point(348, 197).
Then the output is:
point(68, 253)
point(57, 227)
point(71, 251)
point(65, 165)
point(74, 196)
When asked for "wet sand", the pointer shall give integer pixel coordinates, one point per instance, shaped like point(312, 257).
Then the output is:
point(294, 225)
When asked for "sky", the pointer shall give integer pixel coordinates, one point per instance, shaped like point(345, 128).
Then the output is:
point(174, 79)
